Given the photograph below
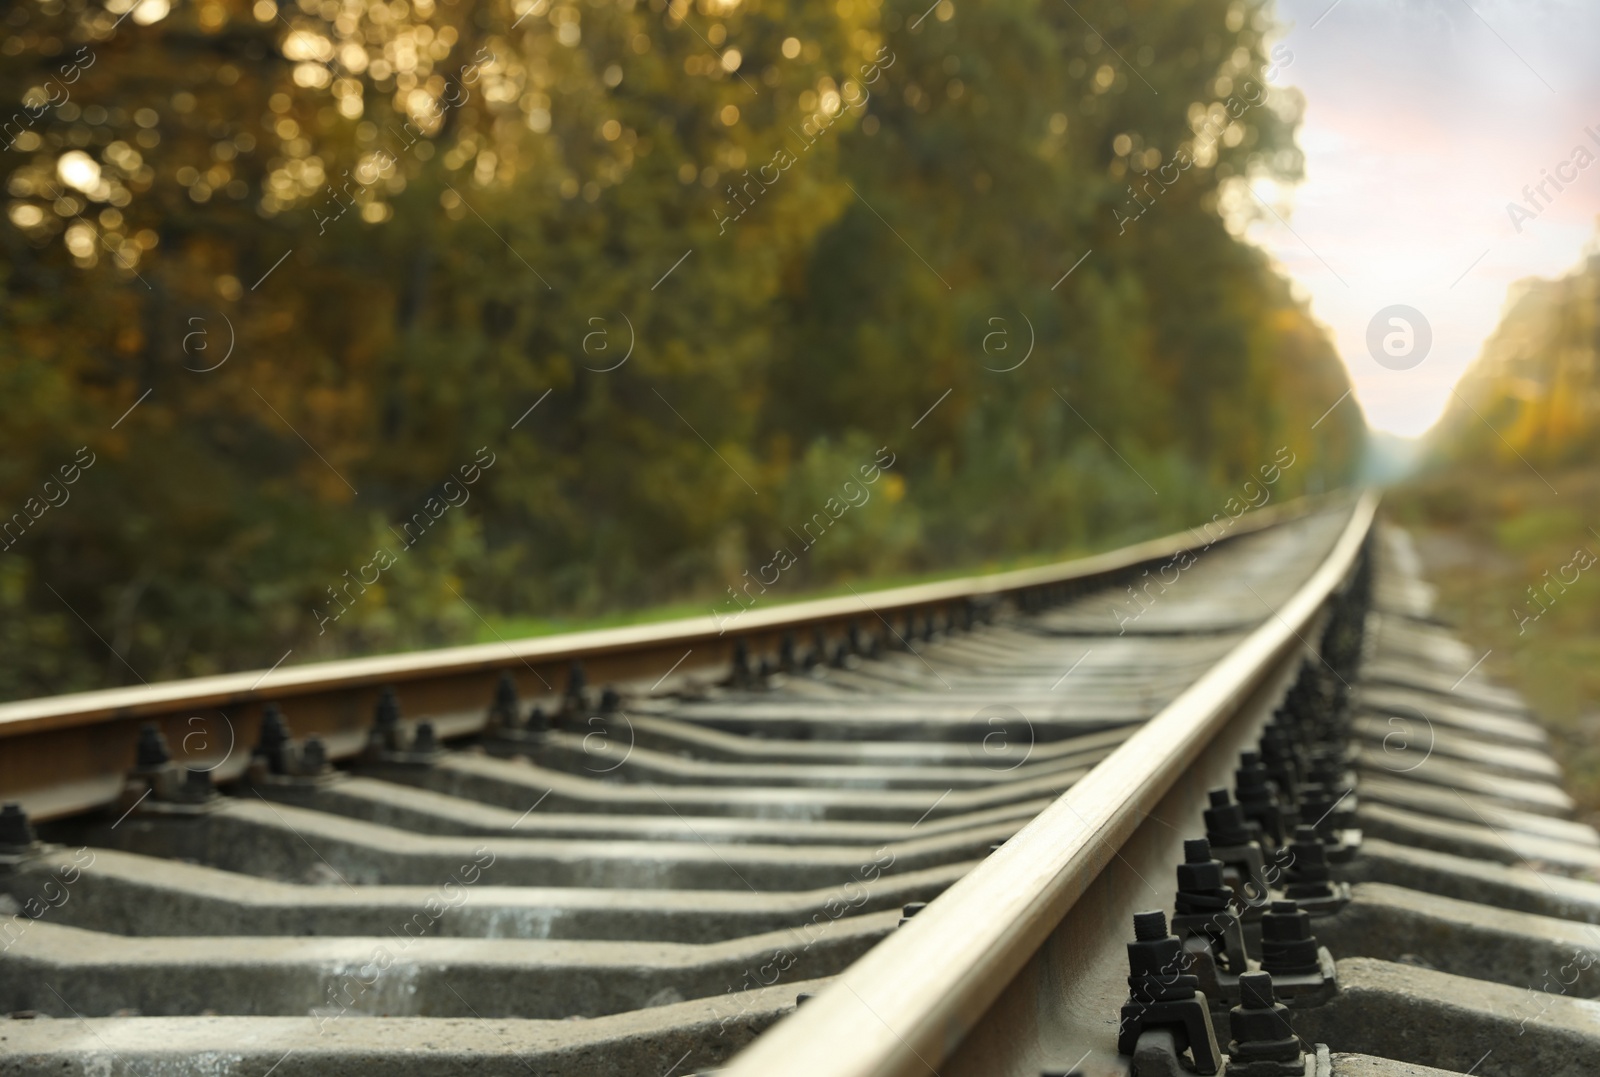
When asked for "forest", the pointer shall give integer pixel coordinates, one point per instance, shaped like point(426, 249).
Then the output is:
point(364, 325)
point(1533, 395)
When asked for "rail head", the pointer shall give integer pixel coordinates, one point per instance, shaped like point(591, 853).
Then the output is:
point(905, 1006)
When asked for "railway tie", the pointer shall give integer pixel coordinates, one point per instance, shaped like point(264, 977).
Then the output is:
point(1207, 806)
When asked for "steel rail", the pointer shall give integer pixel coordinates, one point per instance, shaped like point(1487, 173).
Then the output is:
point(55, 770)
point(910, 1002)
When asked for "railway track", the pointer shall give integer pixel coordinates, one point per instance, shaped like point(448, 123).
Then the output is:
point(930, 813)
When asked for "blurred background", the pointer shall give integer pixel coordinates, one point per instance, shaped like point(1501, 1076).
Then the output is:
point(411, 222)
point(334, 327)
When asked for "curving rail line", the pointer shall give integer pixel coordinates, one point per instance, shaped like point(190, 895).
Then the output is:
point(1016, 926)
point(54, 769)
point(904, 832)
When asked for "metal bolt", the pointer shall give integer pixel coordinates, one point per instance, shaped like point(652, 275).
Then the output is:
point(15, 830)
point(1256, 796)
point(504, 709)
point(1277, 755)
point(1201, 888)
point(273, 740)
point(1317, 802)
point(1308, 876)
point(1262, 1029)
point(741, 663)
point(197, 784)
point(313, 756)
point(1328, 768)
point(1149, 926)
point(1255, 991)
point(385, 734)
point(538, 721)
point(1204, 909)
point(1162, 997)
point(426, 739)
point(1288, 948)
point(386, 715)
point(1225, 821)
point(274, 730)
point(151, 751)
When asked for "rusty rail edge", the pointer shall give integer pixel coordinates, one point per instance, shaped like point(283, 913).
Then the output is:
point(49, 763)
point(909, 1003)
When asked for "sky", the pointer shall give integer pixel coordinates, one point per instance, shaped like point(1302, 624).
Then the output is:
point(1423, 120)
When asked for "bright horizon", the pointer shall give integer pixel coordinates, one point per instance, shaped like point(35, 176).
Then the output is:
point(1422, 123)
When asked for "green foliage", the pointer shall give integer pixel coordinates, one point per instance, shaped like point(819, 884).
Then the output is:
point(1533, 395)
point(851, 200)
